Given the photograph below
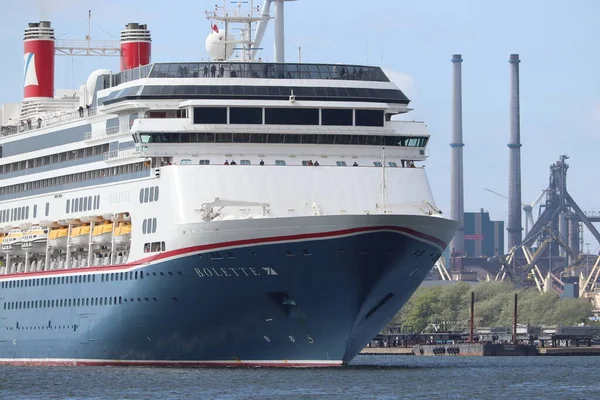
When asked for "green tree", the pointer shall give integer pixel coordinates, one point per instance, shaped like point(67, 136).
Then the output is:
point(494, 304)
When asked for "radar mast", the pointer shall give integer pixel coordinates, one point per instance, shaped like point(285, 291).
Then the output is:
point(222, 42)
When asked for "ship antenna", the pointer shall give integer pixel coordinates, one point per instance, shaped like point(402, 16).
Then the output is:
point(382, 200)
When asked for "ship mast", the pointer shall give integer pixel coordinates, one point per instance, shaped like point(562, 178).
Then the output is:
point(245, 42)
point(382, 197)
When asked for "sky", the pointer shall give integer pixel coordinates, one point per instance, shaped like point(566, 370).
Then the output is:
point(413, 41)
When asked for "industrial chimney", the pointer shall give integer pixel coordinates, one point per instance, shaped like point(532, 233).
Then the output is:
point(457, 206)
point(514, 158)
point(136, 46)
point(38, 66)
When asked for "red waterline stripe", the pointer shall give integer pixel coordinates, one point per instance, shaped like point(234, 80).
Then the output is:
point(215, 246)
point(212, 364)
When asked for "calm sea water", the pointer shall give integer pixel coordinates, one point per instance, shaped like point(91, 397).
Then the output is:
point(370, 377)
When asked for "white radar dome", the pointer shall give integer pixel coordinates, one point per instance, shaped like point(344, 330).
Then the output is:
point(215, 45)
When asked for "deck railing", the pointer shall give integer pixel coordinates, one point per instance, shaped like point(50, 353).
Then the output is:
point(50, 120)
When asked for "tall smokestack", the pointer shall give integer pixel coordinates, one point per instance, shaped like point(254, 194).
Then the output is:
point(514, 158)
point(38, 66)
point(457, 206)
point(136, 46)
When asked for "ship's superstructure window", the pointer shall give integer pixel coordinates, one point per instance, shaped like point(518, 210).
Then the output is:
point(392, 164)
point(245, 115)
point(340, 163)
point(377, 164)
point(292, 116)
point(369, 118)
point(66, 156)
point(204, 162)
point(279, 162)
point(336, 117)
point(226, 92)
point(47, 209)
point(253, 70)
point(149, 195)
point(149, 225)
point(14, 214)
point(210, 115)
point(245, 162)
point(73, 178)
point(83, 204)
point(287, 138)
point(153, 248)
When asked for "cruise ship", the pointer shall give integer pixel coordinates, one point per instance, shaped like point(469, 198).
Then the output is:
point(234, 212)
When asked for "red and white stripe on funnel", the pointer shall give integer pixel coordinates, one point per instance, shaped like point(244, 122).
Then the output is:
point(38, 61)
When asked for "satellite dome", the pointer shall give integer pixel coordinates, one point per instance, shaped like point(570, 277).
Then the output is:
point(215, 45)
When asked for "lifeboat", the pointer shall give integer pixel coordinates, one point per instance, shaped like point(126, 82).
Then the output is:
point(102, 234)
point(123, 233)
point(80, 235)
point(12, 242)
point(58, 238)
point(35, 239)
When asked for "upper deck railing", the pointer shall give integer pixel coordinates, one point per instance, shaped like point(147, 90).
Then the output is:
point(49, 120)
point(253, 70)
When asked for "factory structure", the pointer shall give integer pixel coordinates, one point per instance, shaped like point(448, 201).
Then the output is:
point(545, 249)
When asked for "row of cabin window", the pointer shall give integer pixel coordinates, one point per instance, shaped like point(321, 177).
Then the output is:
point(279, 138)
point(149, 225)
point(155, 247)
point(149, 195)
point(83, 204)
point(282, 162)
point(78, 177)
point(109, 277)
point(54, 158)
point(38, 327)
point(20, 213)
point(80, 302)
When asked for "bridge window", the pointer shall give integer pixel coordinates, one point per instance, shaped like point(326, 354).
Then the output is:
point(369, 118)
point(292, 116)
point(339, 117)
point(242, 115)
point(288, 138)
point(210, 115)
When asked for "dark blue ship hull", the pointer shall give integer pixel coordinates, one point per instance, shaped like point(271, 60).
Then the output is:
point(300, 303)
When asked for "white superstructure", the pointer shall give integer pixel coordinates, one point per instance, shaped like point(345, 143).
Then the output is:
point(173, 155)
